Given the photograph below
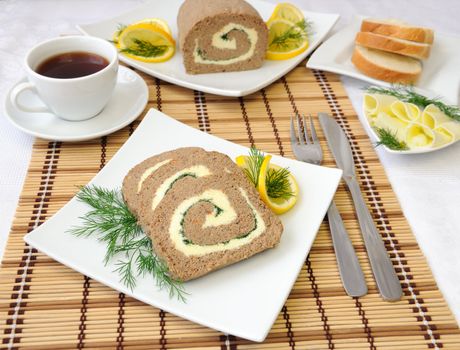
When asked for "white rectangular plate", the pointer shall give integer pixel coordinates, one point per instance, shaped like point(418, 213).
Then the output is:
point(440, 74)
point(226, 84)
point(243, 299)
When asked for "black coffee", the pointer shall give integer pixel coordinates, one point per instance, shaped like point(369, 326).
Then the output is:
point(72, 65)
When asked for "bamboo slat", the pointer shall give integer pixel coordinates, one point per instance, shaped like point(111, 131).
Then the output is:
point(45, 305)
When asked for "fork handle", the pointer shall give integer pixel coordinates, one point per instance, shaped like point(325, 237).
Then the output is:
point(350, 270)
point(382, 267)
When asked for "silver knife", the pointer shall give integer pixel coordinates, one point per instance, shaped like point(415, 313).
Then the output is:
point(352, 276)
point(382, 268)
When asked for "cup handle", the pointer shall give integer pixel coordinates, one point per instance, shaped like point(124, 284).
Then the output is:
point(14, 97)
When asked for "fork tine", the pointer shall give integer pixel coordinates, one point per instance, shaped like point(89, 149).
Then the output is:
point(293, 136)
point(305, 130)
point(299, 131)
point(312, 130)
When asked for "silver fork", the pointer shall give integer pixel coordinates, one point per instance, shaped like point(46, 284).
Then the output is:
point(309, 150)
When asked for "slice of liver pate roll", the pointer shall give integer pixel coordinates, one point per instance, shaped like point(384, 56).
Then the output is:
point(221, 36)
point(200, 210)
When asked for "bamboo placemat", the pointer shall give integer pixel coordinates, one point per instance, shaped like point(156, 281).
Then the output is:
point(45, 305)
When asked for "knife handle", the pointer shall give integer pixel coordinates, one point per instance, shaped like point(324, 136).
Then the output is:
point(382, 267)
point(350, 271)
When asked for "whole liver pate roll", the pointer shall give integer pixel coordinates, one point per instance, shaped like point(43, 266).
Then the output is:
point(221, 36)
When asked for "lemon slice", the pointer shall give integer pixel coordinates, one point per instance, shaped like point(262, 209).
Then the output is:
point(158, 21)
point(288, 12)
point(286, 40)
point(277, 205)
point(147, 42)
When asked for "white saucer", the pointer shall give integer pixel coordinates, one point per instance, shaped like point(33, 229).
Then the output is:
point(129, 99)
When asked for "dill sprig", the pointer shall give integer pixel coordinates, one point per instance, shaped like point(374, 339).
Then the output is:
point(389, 139)
point(121, 27)
point(113, 223)
point(278, 185)
point(407, 94)
point(295, 33)
point(306, 26)
point(276, 181)
point(145, 49)
point(254, 163)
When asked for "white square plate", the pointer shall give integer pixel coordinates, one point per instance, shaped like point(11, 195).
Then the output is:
point(243, 299)
point(226, 84)
point(440, 74)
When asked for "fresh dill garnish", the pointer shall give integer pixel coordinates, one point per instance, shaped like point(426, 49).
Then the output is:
point(144, 48)
point(111, 221)
point(278, 185)
point(121, 27)
point(305, 26)
point(389, 139)
point(254, 163)
point(295, 33)
point(407, 94)
point(276, 181)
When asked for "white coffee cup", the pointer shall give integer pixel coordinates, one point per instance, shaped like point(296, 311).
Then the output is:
point(72, 99)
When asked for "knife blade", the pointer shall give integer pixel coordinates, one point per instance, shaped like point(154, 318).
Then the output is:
point(350, 271)
point(381, 265)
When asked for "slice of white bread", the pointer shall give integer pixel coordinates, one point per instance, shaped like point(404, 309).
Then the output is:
point(386, 66)
point(398, 29)
point(394, 45)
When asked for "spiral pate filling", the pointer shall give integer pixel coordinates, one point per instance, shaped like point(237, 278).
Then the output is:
point(223, 210)
point(221, 36)
point(229, 39)
point(149, 172)
point(193, 171)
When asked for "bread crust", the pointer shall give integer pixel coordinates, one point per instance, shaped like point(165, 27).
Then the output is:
point(382, 73)
point(389, 44)
point(406, 32)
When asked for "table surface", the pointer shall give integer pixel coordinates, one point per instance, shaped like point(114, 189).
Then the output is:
point(427, 185)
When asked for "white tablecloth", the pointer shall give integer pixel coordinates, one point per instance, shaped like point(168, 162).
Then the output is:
point(427, 186)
